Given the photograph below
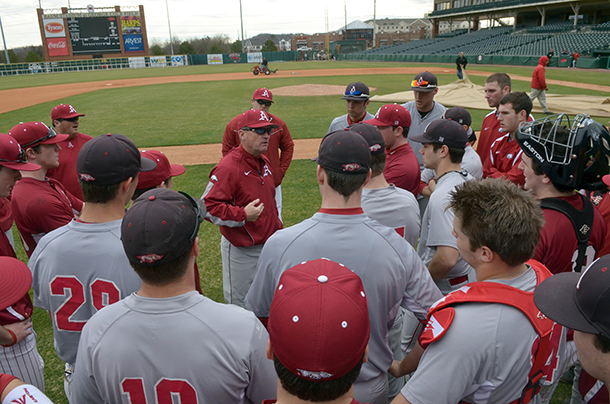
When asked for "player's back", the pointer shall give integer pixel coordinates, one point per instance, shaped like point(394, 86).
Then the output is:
point(77, 270)
point(186, 346)
point(388, 266)
point(394, 207)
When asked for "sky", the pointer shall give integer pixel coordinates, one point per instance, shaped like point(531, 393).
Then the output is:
point(198, 18)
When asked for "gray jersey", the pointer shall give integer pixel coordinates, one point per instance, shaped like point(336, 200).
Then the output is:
point(418, 124)
point(391, 272)
point(437, 227)
point(396, 208)
point(186, 346)
point(341, 122)
point(484, 357)
point(471, 162)
point(76, 270)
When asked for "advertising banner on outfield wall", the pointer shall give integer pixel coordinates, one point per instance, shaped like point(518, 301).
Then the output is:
point(157, 61)
point(179, 60)
point(215, 59)
point(255, 57)
point(131, 25)
point(137, 63)
point(57, 46)
point(54, 28)
point(133, 43)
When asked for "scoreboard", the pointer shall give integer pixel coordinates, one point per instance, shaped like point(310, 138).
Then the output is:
point(94, 35)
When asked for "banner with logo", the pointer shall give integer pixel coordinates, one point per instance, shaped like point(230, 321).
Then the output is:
point(54, 28)
point(157, 61)
point(57, 46)
point(133, 43)
point(137, 63)
point(255, 57)
point(215, 59)
point(131, 25)
point(179, 60)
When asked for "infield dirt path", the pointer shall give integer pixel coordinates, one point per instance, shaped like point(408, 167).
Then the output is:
point(14, 99)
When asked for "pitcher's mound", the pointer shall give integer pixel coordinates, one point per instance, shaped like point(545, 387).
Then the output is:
point(304, 90)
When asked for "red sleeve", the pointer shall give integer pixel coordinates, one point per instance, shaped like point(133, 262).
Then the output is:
point(514, 175)
point(4, 381)
point(422, 185)
point(230, 137)
point(542, 78)
point(287, 149)
point(218, 201)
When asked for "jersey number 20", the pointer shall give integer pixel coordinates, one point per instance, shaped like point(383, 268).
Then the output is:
point(103, 293)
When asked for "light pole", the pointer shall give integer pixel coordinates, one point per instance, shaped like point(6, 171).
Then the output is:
point(4, 40)
point(241, 18)
point(171, 42)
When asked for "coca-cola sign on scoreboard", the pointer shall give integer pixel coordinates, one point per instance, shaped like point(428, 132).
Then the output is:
point(54, 28)
point(57, 47)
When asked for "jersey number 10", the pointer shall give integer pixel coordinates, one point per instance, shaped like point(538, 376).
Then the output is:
point(164, 390)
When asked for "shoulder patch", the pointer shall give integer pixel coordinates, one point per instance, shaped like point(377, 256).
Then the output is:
point(437, 325)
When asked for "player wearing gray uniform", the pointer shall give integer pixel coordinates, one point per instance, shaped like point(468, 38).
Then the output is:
point(80, 268)
point(356, 98)
point(424, 109)
point(391, 206)
point(480, 349)
point(159, 234)
point(443, 147)
point(392, 273)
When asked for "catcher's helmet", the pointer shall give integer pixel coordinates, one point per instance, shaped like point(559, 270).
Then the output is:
point(575, 156)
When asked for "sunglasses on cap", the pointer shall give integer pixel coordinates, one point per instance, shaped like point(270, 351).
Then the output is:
point(259, 131)
point(22, 158)
point(197, 211)
point(355, 93)
point(265, 103)
point(69, 119)
point(50, 134)
point(422, 83)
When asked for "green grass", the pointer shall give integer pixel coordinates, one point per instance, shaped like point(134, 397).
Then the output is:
point(194, 113)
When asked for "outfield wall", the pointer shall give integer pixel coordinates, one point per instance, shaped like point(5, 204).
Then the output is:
point(93, 64)
point(559, 61)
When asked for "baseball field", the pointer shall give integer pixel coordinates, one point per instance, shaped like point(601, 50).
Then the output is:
point(183, 111)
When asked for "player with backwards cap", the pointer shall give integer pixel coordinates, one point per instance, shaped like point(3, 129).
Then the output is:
point(318, 333)
point(81, 267)
point(225, 361)
point(391, 272)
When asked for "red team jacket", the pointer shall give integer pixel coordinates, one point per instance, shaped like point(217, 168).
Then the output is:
point(280, 139)
point(238, 179)
point(503, 161)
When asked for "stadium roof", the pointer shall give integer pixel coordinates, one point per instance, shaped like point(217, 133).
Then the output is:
point(354, 25)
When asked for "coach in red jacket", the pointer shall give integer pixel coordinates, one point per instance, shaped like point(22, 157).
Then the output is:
point(240, 199)
point(539, 84)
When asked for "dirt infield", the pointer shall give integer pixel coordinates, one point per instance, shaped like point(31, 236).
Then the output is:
point(13, 99)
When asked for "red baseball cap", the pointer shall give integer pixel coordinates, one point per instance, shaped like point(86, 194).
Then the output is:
point(64, 111)
point(164, 170)
point(263, 94)
point(30, 134)
point(255, 118)
point(15, 281)
point(12, 156)
point(391, 115)
point(318, 321)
